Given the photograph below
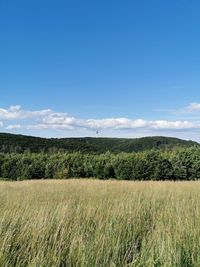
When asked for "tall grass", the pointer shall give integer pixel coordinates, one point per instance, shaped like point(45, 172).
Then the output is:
point(99, 223)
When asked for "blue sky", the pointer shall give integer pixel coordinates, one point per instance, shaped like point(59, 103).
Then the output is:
point(127, 68)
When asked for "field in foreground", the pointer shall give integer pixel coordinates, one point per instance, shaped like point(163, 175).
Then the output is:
point(99, 223)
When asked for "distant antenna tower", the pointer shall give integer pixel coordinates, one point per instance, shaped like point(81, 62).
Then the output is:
point(97, 133)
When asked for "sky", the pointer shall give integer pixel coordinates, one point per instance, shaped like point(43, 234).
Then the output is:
point(125, 68)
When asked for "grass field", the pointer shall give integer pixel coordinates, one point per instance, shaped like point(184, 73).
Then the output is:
point(99, 223)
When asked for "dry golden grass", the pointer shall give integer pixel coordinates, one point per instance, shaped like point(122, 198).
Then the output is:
point(99, 223)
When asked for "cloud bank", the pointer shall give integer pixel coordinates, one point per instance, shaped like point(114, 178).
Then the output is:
point(15, 117)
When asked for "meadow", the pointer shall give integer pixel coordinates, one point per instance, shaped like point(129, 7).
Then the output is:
point(90, 223)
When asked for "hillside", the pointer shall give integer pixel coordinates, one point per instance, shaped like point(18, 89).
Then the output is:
point(21, 143)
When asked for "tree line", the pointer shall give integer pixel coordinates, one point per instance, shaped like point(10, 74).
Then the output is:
point(11, 143)
point(178, 164)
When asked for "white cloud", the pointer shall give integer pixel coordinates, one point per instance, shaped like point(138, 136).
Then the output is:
point(43, 126)
point(13, 127)
point(16, 113)
point(115, 123)
point(59, 119)
point(174, 125)
point(193, 107)
point(118, 124)
point(49, 119)
point(192, 110)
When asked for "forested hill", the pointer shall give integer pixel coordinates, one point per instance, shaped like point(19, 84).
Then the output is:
point(21, 143)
